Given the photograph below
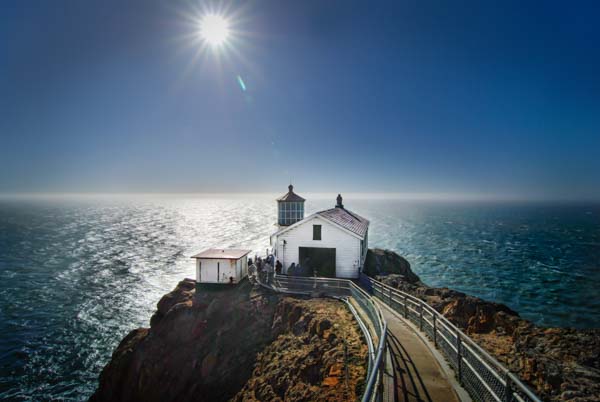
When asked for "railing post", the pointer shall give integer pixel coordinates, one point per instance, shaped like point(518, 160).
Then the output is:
point(420, 317)
point(405, 307)
point(508, 389)
point(390, 297)
point(459, 357)
point(434, 331)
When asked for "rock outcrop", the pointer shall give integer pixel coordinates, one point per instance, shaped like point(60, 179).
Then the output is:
point(318, 356)
point(199, 347)
point(560, 364)
point(380, 261)
point(238, 342)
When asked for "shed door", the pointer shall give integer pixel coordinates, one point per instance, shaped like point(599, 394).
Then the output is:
point(317, 258)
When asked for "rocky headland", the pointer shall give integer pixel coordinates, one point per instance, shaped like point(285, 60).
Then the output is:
point(240, 343)
point(560, 364)
point(246, 344)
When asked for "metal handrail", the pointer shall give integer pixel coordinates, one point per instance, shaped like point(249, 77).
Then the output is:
point(375, 377)
point(490, 378)
point(304, 285)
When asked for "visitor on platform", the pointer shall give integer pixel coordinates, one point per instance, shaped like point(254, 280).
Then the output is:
point(252, 273)
point(269, 272)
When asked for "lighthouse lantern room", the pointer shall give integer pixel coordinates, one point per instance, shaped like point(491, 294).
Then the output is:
point(290, 208)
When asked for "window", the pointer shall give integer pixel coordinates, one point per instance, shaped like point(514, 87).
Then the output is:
point(316, 232)
point(290, 212)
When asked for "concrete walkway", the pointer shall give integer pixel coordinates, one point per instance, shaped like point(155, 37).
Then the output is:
point(412, 371)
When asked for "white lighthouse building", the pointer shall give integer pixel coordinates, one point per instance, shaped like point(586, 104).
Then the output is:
point(334, 242)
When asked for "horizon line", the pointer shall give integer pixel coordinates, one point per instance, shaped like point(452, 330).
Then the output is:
point(414, 196)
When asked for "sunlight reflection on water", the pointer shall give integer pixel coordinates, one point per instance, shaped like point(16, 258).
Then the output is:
point(79, 274)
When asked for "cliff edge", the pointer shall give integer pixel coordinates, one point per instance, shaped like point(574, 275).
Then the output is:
point(238, 343)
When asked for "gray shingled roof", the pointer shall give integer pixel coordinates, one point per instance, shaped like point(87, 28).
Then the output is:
point(346, 219)
point(291, 196)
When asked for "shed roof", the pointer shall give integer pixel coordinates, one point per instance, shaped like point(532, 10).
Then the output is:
point(346, 219)
point(225, 253)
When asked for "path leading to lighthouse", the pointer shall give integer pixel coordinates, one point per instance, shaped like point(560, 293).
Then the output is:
point(412, 371)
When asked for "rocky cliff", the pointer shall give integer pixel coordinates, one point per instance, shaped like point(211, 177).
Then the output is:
point(318, 356)
point(238, 343)
point(561, 364)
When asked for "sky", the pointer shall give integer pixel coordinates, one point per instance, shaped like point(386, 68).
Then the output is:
point(411, 97)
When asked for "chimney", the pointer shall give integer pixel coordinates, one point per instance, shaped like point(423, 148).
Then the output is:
point(339, 202)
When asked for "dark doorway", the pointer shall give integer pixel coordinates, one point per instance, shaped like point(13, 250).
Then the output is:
point(320, 259)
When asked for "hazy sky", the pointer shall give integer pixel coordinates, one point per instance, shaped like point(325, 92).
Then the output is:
point(407, 96)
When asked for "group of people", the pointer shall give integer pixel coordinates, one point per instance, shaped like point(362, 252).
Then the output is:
point(264, 269)
point(301, 270)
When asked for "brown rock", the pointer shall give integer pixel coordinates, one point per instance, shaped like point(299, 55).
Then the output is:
point(330, 381)
point(236, 343)
point(381, 261)
point(306, 366)
point(187, 352)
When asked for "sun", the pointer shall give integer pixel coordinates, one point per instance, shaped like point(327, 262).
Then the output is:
point(214, 29)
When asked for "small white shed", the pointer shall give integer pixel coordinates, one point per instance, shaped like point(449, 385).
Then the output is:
point(221, 265)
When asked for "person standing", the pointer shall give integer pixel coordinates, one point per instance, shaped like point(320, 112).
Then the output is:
point(269, 271)
point(252, 273)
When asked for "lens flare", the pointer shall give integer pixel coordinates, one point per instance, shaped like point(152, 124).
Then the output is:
point(242, 83)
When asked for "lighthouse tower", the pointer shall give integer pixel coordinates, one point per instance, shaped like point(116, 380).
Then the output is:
point(290, 208)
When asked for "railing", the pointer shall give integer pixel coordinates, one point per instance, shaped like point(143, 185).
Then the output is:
point(312, 285)
point(484, 378)
point(368, 315)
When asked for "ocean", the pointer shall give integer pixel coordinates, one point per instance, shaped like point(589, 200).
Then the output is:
point(78, 273)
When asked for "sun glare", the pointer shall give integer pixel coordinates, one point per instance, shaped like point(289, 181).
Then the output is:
point(214, 29)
